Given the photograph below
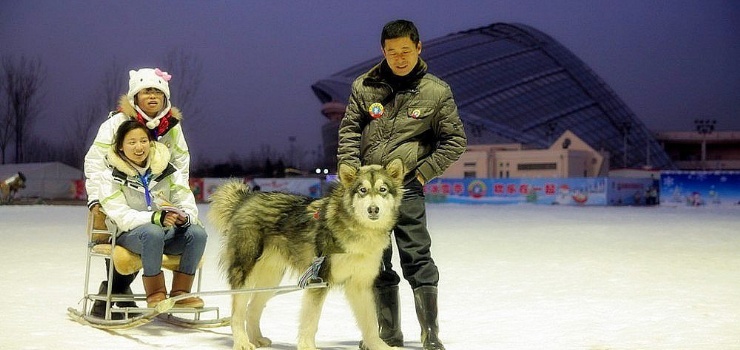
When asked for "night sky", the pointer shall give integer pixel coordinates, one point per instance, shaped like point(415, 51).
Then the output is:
point(670, 61)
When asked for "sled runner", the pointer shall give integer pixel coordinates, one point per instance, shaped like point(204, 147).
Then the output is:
point(101, 244)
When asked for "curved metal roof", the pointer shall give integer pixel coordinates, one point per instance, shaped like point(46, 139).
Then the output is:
point(513, 83)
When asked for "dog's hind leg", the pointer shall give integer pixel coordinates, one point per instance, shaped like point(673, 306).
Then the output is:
point(267, 273)
point(313, 300)
point(239, 322)
point(362, 301)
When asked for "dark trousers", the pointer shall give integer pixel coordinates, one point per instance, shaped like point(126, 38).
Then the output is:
point(413, 242)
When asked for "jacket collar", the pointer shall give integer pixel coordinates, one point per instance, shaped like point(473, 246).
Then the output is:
point(158, 160)
point(380, 73)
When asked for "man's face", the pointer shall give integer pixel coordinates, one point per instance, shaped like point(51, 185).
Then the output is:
point(401, 54)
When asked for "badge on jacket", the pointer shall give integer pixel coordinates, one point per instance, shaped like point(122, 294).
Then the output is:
point(376, 110)
point(415, 114)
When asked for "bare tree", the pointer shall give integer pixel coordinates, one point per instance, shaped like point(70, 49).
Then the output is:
point(22, 79)
point(94, 112)
point(187, 74)
point(6, 119)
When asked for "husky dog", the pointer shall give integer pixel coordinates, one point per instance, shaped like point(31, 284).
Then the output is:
point(10, 186)
point(269, 233)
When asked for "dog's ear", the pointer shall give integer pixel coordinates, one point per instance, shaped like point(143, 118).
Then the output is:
point(347, 174)
point(396, 170)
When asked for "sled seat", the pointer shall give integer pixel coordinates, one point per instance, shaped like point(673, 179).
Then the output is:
point(125, 261)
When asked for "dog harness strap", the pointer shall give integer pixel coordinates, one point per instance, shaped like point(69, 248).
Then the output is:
point(312, 273)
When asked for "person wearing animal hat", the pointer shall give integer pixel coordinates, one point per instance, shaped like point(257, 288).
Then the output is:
point(398, 110)
point(147, 102)
point(152, 211)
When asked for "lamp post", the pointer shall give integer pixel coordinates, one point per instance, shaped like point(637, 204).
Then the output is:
point(704, 127)
point(625, 128)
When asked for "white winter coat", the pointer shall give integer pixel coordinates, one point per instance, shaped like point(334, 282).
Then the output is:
point(122, 193)
point(95, 159)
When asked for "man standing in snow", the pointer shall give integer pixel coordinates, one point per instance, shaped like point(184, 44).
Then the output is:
point(398, 110)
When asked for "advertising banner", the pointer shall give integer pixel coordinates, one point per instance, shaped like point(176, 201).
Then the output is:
point(563, 191)
point(306, 186)
point(698, 188)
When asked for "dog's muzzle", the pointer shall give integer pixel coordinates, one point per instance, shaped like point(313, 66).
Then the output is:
point(373, 212)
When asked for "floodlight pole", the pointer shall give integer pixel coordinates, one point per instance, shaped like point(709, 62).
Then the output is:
point(625, 129)
point(704, 127)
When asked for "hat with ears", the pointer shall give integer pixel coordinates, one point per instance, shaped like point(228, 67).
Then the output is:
point(145, 78)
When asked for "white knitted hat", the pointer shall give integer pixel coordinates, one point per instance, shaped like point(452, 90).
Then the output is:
point(145, 78)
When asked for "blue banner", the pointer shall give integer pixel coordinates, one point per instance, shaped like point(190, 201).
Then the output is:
point(697, 188)
point(564, 191)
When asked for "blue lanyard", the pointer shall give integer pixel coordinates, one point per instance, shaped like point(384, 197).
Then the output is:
point(147, 194)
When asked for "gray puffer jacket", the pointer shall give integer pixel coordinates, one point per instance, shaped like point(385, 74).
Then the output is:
point(418, 124)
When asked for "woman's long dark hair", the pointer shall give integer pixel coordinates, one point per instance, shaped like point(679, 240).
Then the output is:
point(124, 128)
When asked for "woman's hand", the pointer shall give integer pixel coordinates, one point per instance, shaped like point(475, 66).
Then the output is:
point(170, 219)
point(180, 220)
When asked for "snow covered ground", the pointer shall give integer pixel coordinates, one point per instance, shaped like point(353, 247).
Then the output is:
point(513, 277)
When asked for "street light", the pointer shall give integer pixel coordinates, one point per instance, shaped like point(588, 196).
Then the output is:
point(704, 127)
point(625, 128)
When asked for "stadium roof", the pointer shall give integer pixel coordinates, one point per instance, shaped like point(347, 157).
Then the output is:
point(513, 83)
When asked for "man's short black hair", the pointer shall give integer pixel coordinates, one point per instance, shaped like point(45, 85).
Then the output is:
point(398, 29)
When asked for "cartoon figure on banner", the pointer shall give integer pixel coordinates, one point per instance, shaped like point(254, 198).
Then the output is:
point(580, 197)
point(695, 199)
point(714, 195)
point(563, 195)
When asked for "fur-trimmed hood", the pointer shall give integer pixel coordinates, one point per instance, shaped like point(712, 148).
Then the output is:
point(157, 161)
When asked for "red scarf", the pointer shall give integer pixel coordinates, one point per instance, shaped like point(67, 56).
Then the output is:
point(164, 123)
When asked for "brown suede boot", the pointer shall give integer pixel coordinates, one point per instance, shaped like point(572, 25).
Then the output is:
point(155, 289)
point(181, 284)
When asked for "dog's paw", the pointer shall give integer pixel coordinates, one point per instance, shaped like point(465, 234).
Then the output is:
point(305, 345)
point(378, 344)
point(247, 346)
point(262, 342)
point(244, 346)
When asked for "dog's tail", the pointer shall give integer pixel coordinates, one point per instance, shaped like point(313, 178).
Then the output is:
point(242, 246)
point(227, 198)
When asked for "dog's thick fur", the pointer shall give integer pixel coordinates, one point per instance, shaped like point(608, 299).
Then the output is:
point(269, 233)
point(11, 186)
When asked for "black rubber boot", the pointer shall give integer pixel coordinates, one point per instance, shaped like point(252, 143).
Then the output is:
point(389, 316)
point(122, 285)
point(425, 299)
point(98, 308)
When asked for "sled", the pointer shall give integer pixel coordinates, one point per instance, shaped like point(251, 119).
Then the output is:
point(102, 244)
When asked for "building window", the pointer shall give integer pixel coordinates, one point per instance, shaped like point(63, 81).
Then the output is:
point(469, 174)
point(537, 166)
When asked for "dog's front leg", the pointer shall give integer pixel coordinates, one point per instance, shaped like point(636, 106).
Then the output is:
point(313, 300)
point(239, 322)
point(362, 301)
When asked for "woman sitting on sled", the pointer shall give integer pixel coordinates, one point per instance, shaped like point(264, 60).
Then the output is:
point(152, 211)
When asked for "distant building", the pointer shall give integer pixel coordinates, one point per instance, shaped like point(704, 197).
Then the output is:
point(721, 149)
point(516, 86)
point(567, 157)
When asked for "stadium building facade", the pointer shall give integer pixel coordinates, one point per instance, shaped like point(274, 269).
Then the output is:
point(516, 85)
